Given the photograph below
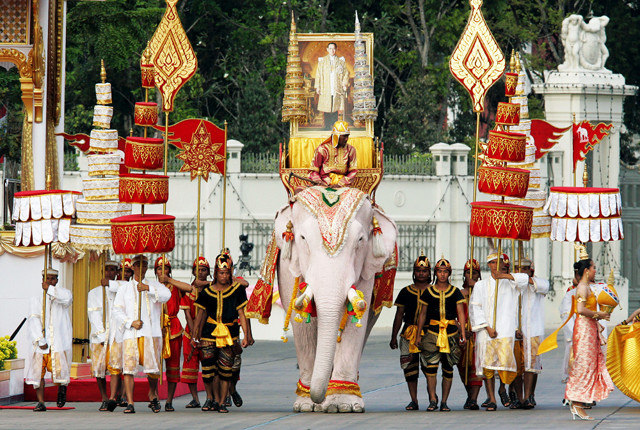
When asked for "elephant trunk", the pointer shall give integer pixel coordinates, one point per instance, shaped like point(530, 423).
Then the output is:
point(329, 316)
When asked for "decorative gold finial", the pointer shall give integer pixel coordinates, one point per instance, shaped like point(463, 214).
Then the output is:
point(375, 223)
point(611, 280)
point(582, 248)
point(518, 65)
point(146, 55)
point(131, 132)
point(512, 62)
point(103, 72)
point(289, 227)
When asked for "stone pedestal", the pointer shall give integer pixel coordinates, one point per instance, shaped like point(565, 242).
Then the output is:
point(12, 381)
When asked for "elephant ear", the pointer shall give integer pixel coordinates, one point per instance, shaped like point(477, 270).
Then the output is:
point(285, 240)
point(373, 264)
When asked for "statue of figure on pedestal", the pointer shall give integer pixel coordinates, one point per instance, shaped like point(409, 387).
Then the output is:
point(584, 44)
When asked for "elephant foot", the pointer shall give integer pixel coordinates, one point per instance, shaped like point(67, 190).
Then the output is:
point(342, 403)
point(303, 404)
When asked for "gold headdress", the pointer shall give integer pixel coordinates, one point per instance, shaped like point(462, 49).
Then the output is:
point(201, 261)
point(159, 262)
point(443, 264)
point(340, 128)
point(223, 261)
point(422, 261)
point(582, 248)
point(470, 263)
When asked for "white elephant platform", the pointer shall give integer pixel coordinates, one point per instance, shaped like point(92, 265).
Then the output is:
point(337, 250)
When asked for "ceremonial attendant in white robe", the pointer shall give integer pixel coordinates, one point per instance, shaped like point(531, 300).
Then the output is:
point(532, 329)
point(51, 348)
point(494, 345)
point(142, 335)
point(104, 333)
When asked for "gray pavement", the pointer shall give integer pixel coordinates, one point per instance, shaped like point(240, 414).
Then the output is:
point(268, 381)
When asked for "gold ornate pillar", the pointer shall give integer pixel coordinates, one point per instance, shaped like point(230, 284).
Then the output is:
point(54, 88)
point(86, 275)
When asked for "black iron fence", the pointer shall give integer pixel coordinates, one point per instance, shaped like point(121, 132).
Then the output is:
point(258, 233)
point(184, 253)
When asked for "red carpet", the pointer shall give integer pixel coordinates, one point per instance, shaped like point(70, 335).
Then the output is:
point(86, 390)
point(49, 408)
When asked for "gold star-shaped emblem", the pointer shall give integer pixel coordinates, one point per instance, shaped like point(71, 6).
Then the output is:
point(201, 156)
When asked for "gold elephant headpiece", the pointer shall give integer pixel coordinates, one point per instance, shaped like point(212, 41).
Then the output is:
point(340, 128)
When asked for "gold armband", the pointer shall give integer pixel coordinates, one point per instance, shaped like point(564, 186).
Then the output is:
point(596, 316)
point(581, 300)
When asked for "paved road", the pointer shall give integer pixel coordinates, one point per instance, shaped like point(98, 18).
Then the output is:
point(269, 376)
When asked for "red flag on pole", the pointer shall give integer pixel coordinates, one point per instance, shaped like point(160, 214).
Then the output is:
point(585, 137)
point(545, 136)
point(203, 145)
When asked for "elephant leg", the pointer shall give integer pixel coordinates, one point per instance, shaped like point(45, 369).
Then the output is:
point(345, 368)
point(305, 335)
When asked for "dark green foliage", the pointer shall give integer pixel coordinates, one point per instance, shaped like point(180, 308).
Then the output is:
point(11, 125)
point(241, 47)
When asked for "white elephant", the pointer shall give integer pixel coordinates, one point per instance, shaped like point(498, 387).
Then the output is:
point(333, 248)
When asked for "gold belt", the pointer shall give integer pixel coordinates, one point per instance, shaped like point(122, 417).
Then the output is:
point(410, 333)
point(221, 333)
point(443, 340)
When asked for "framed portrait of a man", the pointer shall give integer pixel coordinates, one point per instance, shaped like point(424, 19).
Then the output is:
point(328, 62)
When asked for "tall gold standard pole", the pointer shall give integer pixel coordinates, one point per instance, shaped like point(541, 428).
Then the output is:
point(495, 298)
point(44, 293)
point(198, 224)
point(224, 189)
point(475, 181)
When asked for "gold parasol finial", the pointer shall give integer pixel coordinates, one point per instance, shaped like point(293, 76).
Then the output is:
point(146, 55)
point(518, 64)
point(512, 62)
point(103, 72)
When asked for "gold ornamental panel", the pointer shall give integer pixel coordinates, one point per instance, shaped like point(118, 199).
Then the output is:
point(15, 22)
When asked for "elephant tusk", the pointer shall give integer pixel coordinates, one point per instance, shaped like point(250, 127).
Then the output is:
point(358, 302)
point(303, 301)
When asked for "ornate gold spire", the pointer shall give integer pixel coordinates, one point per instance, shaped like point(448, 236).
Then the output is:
point(294, 103)
point(364, 101)
point(103, 72)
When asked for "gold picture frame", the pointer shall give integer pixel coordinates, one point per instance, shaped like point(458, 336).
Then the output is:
point(313, 46)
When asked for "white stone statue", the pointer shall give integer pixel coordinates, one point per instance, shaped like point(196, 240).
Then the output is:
point(584, 44)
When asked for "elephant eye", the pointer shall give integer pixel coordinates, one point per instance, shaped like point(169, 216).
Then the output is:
point(302, 237)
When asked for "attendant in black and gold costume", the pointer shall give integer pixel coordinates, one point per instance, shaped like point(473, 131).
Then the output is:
point(216, 331)
point(441, 344)
point(409, 304)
